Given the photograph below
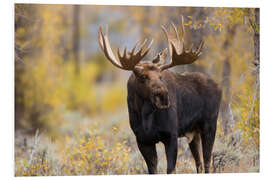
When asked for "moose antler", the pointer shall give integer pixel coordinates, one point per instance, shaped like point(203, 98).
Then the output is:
point(179, 54)
point(129, 59)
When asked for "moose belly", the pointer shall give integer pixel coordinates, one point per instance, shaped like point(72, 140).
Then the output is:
point(151, 137)
point(148, 138)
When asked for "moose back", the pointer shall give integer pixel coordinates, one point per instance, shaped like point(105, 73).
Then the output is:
point(164, 105)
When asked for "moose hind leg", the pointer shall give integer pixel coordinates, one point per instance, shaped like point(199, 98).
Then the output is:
point(149, 154)
point(195, 148)
point(208, 138)
point(171, 154)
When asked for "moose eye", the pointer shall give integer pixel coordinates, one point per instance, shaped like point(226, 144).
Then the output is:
point(142, 78)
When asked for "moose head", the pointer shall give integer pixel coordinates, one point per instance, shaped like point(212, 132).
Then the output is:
point(149, 73)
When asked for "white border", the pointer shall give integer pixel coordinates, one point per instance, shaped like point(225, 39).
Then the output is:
point(7, 81)
point(209, 3)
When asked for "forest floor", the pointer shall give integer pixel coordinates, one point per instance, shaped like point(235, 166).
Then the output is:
point(105, 144)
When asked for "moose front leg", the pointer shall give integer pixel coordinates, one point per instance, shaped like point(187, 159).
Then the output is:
point(149, 154)
point(171, 153)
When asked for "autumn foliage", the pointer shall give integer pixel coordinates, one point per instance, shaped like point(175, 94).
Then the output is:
point(71, 122)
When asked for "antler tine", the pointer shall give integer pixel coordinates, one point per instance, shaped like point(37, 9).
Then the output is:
point(123, 59)
point(134, 47)
point(148, 48)
point(165, 31)
point(129, 59)
point(167, 36)
point(183, 28)
point(106, 48)
point(190, 48)
point(200, 47)
point(118, 52)
point(141, 47)
point(179, 54)
point(125, 53)
point(175, 30)
point(134, 59)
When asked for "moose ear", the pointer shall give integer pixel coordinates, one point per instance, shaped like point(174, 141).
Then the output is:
point(160, 58)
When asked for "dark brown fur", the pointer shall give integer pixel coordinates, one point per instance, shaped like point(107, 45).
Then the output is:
point(193, 105)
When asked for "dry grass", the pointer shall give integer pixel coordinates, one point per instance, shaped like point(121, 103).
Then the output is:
point(106, 145)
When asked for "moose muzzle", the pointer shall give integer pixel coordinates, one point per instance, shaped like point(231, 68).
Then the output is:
point(161, 100)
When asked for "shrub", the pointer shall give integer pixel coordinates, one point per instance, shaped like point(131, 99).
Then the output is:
point(92, 156)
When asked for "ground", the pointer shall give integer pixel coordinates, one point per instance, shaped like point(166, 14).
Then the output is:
point(105, 144)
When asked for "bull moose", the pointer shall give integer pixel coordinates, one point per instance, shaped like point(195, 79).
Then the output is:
point(164, 105)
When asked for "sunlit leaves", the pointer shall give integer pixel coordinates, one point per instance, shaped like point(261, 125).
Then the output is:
point(112, 97)
point(92, 156)
point(50, 89)
point(250, 120)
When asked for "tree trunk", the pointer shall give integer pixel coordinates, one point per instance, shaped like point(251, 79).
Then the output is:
point(256, 38)
point(76, 38)
point(225, 109)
